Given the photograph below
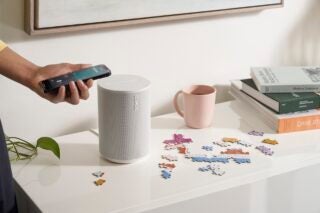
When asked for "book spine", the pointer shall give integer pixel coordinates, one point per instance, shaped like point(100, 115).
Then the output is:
point(299, 105)
point(299, 124)
point(289, 88)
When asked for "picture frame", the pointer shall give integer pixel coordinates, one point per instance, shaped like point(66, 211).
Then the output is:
point(47, 16)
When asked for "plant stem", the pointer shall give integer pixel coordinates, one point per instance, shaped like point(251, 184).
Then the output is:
point(14, 142)
point(23, 141)
point(18, 154)
point(22, 145)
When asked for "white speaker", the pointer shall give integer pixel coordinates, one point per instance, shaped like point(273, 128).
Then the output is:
point(124, 117)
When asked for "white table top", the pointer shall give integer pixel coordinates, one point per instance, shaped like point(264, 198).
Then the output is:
point(66, 185)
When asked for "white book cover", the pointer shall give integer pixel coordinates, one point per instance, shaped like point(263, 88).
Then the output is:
point(286, 79)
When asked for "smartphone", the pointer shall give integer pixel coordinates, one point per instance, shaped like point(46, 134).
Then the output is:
point(95, 72)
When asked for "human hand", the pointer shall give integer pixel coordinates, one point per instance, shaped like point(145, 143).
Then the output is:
point(78, 90)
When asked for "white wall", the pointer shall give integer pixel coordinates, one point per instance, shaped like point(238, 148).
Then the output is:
point(172, 55)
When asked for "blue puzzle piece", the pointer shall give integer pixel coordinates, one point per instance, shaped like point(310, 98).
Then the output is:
point(242, 160)
point(210, 160)
point(219, 159)
point(165, 174)
point(207, 160)
point(198, 159)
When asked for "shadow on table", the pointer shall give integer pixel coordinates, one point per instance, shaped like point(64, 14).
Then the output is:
point(168, 123)
point(82, 156)
point(72, 154)
point(248, 121)
point(77, 158)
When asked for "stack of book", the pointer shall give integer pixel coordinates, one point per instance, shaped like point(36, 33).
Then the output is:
point(287, 98)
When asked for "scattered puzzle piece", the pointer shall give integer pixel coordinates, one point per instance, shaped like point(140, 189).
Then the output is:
point(224, 156)
point(198, 159)
point(99, 182)
point(188, 155)
point(169, 147)
point(256, 133)
point(178, 139)
point(169, 157)
point(221, 144)
point(270, 141)
point(210, 159)
point(230, 140)
point(205, 168)
point(265, 150)
point(172, 146)
point(209, 167)
point(183, 150)
point(169, 166)
point(219, 159)
point(165, 174)
point(207, 148)
point(244, 143)
point(98, 174)
point(237, 156)
point(215, 169)
point(218, 171)
point(235, 151)
point(242, 160)
point(214, 166)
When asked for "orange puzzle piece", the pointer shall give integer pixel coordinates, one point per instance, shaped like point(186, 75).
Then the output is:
point(183, 150)
point(230, 140)
point(270, 141)
point(235, 152)
point(99, 182)
point(167, 165)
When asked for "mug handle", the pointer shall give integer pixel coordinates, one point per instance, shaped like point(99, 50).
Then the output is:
point(175, 103)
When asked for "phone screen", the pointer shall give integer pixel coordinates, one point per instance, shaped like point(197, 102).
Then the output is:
point(87, 73)
point(96, 72)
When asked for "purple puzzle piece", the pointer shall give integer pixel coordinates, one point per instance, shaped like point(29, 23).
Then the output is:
point(218, 171)
point(178, 139)
point(256, 133)
point(265, 150)
point(205, 168)
point(207, 148)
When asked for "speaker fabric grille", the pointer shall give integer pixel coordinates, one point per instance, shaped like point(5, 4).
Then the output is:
point(124, 124)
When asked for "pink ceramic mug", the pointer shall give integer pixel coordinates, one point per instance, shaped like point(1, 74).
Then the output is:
point(198, 104)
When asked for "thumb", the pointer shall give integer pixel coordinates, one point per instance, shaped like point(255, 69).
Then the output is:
point(76, 67)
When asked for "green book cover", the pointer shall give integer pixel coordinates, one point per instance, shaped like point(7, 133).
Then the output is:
point(283, 102)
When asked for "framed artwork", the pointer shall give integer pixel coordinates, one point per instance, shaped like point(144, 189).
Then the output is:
point(51, 16)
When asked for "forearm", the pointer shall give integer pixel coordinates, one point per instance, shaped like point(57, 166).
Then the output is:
point(17, 68)
point(25, 72)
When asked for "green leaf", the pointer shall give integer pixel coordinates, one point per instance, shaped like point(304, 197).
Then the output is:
point(49, 144)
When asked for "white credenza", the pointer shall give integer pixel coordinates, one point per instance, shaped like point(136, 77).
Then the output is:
point(284, 182)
